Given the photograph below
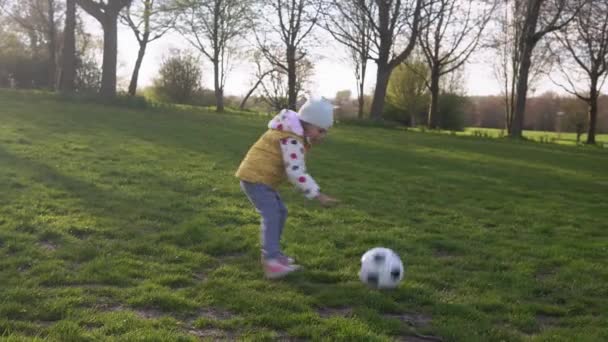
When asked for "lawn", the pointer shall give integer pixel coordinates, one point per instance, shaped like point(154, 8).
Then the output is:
point(127, 224)
point(565, 138)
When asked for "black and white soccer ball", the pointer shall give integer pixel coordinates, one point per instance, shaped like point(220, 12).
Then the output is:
point(381, 268)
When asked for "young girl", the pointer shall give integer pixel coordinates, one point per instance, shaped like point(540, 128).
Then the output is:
point(276, 156)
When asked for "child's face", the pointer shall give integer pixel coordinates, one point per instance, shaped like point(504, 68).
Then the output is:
point(314, 133)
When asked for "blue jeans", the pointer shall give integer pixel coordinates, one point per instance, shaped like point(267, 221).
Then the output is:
point(268, 204)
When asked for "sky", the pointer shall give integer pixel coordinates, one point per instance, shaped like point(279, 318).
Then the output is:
point(332, 72)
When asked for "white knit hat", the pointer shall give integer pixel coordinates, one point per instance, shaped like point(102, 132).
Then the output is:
point(317, 111)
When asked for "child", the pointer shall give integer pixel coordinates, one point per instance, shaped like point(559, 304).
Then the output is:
point(277, 155)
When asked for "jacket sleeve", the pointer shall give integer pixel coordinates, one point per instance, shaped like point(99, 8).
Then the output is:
point(295, 167)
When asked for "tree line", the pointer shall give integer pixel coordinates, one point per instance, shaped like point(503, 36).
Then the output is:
point(432, 38)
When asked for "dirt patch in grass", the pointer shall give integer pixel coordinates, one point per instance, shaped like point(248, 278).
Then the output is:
point(415, 322)
point(216, 314)
point(546, 321)
point(150, 313)
point(47, 246)
point(544, 274)
point(329, 312)
point(443, 253)
point(212, 334)
point(80, 233)
point(143, 313)
point(412, 319)
point(200, 276)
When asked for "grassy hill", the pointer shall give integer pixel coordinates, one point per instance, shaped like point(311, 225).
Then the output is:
point(126, 224)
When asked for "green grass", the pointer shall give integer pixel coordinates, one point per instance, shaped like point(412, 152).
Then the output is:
point(565, 138)
point(127, 224)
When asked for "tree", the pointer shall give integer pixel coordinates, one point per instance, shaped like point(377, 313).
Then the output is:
point(347, 23)
point(52, 38)
point(12, 50)
point(344, 106)
point(504, 42)
point(212, 27)
point(586, 46)
point(407, 95)
point(149, 20)
point(179, 77)
point(395, 26)
point(535, 19)
point(275, 87)
point(261, 73)
point(451, 31)
point(37, 18)
point(542, 111)
point(67, 76)
point(88, 72)
point(289, 30)
point(574, 116)
point(106, 13)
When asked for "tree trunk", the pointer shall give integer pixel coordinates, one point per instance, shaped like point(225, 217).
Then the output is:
point(362, 89)
point(140, 57)
point(292, 96)
point(257, 84)
point(110, 51)
point(517, 125)
point(361, 101)
point(219, 92)
point(68, 55)
point(434, 119)
point(382, 77)
point(524, 49)
point(592, 112)
point(52, 45)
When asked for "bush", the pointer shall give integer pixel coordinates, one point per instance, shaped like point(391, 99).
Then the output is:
point(179, 78)
point(88, 75)
point(407, 99)
point(451, 110)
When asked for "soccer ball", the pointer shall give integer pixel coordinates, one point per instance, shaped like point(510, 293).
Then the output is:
point(381, 268)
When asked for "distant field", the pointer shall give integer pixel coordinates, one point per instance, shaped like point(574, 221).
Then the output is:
point(560, 138)
point(538, 136)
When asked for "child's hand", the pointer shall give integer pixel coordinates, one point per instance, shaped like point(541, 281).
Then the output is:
point(327, 201)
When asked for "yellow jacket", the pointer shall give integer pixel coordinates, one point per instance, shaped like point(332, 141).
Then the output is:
point(264, 161)
point(278, 155)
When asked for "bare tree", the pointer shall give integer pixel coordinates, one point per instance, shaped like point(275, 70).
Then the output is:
point(38, 19)
point(52, 38)
point(149, 20)
point(261, 73)
point(586, 60)
point(504, 43)
point(506, 63)
point(536, 19)
point(275, 87)
point(348, 23)
point(212, 27)
point(106, 13)
point(289, 26)
point(67, 76)
point(451, 31)
point(395, 25)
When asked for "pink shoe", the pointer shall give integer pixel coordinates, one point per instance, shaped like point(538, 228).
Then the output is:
point(287, 260)
point(277, 268)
